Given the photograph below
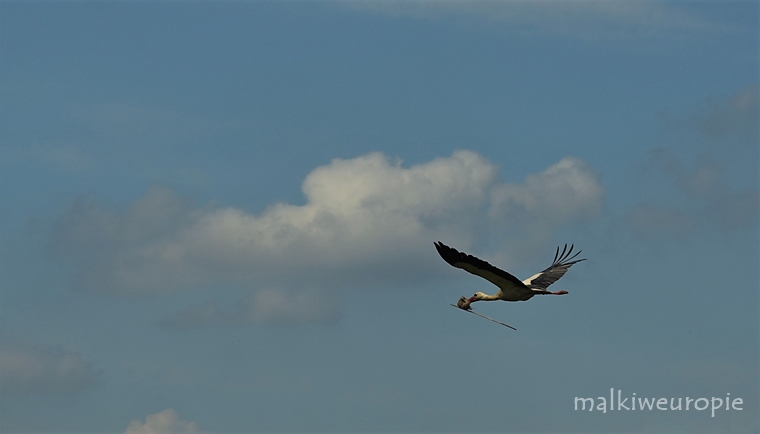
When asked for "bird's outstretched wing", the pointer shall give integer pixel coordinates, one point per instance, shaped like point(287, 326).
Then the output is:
point(562, 261)
point(478, 267)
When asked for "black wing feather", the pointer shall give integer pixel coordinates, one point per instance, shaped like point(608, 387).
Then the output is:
point(478, 267)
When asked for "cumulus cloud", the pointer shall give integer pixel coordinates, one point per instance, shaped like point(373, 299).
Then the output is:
point(26, 369)
point(566, 192)
point(365, 219)
point(165, 422)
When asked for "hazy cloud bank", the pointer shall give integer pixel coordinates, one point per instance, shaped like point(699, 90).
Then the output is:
point(727, 129)
point(732, 120)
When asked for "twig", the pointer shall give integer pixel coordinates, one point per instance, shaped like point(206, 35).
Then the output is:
point(483, 316)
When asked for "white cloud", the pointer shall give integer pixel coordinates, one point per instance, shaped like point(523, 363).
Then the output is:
point(365, 219)
point(565, 192)
point(165, 422)
point(25, 369)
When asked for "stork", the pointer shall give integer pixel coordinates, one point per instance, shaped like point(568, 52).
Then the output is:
point(510, 287)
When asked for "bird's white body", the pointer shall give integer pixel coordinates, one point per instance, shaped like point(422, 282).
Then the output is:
point(508, 295)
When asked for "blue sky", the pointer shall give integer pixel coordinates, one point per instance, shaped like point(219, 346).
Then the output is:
point(219, 217)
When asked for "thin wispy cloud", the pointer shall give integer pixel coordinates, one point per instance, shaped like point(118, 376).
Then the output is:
point(209, 313)
point(164, 422)
point(587, 19)
point(262, 307)
point(731, 120)
point(649, 220)
point(53, 155)
point(26, 369)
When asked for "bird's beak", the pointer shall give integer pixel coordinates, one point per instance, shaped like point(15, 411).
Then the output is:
point(471, 299)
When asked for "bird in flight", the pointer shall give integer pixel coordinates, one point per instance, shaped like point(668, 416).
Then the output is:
point(510, 287)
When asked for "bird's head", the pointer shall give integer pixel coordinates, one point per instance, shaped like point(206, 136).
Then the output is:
point(477, 296)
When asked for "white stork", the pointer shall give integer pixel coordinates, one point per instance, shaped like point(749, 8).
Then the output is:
point(510, 287)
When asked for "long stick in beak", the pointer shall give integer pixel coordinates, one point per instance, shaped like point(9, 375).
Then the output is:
point(483, 316)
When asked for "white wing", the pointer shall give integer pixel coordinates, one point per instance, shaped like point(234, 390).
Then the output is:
point(558, 268)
